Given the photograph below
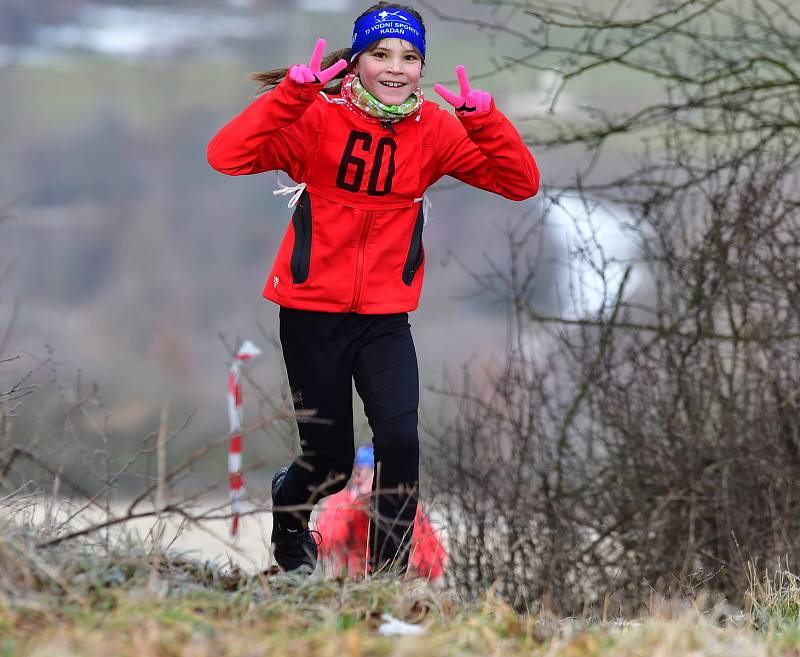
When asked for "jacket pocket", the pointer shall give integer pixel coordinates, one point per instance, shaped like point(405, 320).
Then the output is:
point(301, 252)
point(415, 251)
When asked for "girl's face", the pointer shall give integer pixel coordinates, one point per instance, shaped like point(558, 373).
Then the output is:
point(391, 71)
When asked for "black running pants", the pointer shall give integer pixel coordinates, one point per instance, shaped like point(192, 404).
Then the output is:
point(324, 353)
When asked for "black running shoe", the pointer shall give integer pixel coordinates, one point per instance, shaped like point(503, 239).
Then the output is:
point(293, 548)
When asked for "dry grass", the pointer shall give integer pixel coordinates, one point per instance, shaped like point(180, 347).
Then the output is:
point(774, 598)
point(314, 617)
point(88, 599)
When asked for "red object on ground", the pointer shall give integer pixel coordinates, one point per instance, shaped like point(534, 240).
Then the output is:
point(343, 522)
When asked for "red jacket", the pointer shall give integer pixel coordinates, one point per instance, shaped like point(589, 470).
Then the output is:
point(354, 243)
point(343, 523)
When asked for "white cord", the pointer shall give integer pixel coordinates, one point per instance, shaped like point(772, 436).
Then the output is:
point(426, 206)
point(335, 101)
point(283, 190)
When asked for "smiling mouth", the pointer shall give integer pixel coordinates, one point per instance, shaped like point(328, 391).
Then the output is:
point(393, 85)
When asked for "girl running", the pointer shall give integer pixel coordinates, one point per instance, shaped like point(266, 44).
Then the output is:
point(355, 132)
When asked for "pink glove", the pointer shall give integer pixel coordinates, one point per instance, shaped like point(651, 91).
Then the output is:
point(467, 100)
point(301, 73)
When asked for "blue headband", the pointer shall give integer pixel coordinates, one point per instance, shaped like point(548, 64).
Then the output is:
point(385, 24)
point(365, 456)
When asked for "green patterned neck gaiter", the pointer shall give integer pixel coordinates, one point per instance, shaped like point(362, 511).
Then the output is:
point(366, 102)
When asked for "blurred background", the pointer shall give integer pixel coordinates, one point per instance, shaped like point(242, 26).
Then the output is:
point(132, 257)
point(610, 370)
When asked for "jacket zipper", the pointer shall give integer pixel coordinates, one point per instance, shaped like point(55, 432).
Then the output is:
point(360, 260)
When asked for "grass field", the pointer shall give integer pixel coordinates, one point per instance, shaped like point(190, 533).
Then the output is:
point(287, 616)
point(76, 600)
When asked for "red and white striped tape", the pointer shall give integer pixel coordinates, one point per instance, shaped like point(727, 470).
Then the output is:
point(235, 475)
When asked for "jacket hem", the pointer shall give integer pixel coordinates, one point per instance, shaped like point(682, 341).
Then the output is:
point(376, 308)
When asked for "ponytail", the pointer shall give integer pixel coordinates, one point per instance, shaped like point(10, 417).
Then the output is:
point(270, 79)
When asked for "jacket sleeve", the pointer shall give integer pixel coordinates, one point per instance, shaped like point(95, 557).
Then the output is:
point(487, 152)
point(269, 134)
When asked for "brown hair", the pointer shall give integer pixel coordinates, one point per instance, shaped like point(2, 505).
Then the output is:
point(269, 79)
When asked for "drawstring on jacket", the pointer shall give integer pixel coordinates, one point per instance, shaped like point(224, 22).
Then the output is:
point(283, 190)
point(426, 206)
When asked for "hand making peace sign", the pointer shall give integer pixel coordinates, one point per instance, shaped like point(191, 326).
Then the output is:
point(301, 73)
point(467, 100)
